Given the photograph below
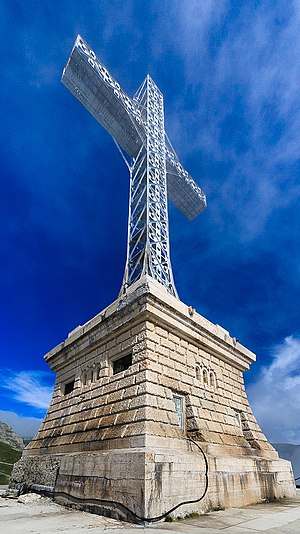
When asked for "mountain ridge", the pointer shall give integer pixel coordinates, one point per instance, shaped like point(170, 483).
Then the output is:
point(11, 438)
point(11, 446)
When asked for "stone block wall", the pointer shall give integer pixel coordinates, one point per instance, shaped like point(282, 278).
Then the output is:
point(102, 407)
point(125, 409)
point(216, 407)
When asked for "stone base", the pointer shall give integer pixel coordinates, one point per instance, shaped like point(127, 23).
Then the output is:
point(150, 416)
point(140, 485)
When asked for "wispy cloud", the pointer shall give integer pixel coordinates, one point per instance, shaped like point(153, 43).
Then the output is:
point(241, 73)
point(28, 387)
point(274, 396)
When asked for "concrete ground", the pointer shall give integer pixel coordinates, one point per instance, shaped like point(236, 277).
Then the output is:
point(32, 514)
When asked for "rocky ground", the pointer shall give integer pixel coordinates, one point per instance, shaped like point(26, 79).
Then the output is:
point(32, 514)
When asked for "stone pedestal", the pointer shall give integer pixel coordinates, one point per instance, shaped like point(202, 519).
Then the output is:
point(149, 411)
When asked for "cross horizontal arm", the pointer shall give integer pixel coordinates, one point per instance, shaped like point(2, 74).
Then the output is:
point(91, 83)
point(187, 196)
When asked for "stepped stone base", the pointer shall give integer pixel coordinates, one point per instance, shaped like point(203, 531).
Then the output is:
point(149, 414)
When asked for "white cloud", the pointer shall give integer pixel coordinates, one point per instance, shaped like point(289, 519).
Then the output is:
point(28, 387)
point(24, 426)
point(274, 397)
point(255, 67)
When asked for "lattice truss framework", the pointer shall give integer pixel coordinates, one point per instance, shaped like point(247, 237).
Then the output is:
point(137, 126)
point(148, 243)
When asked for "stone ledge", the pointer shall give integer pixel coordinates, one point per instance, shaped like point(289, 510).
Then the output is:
point(153, 302)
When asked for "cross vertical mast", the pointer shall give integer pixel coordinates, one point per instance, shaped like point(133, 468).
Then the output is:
point(148, 250)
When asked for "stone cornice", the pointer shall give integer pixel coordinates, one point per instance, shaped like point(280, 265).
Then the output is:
point(149, 300)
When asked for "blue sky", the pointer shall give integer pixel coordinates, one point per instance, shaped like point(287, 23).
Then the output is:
point(230, 75)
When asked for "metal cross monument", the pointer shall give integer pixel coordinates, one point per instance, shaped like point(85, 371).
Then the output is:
point(137, 126)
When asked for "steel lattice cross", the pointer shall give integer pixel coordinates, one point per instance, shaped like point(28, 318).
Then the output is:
point(137, 127)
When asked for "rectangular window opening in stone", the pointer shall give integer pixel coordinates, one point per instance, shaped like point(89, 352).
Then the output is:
point(238, 419)
point(121, 364)
point(179, 408)
point(68, 387)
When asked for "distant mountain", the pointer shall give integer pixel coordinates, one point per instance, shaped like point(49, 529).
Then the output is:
point(291, 453)
point(8, 436)
point(26, 440)
point(11, 446)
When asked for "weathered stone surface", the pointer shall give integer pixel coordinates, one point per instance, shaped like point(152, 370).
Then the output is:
point(117, 437)
point(32, 471)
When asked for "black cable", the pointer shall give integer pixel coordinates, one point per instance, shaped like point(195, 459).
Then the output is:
point(140, 519)
point(296, 478)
